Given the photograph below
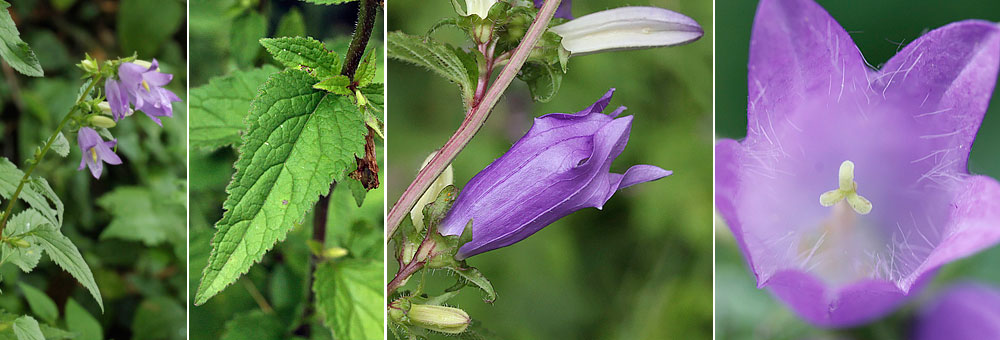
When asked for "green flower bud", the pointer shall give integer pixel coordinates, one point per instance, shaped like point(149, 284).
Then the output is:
point(102, 121)
point(18, 242)
point(445, 179)
point(439, 318)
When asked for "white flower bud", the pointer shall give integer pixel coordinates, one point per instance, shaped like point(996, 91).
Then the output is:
point(479, 7)
point(627, 28)
point(447, 178)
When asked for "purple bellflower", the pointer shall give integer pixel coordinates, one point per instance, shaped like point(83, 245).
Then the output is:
point(966, 311)
point(143, 85)
point(565, 9)
point(560, 166)
point(851, 186)
point(95, 151)
point(117, 99)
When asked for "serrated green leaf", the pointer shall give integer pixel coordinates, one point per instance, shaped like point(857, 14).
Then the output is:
point(296, 52)
point(138, 215)
point(434, 56)
point(218, 109)
point(254, 325)
point(543, 80)
point(37, 193)
point(367, 69)
point(18, 225)
point(292, 24)
point(26, 328)
point(247, 29)
point(79, 321)
point(328, 2)
point(299, 140)
point(62, 251)
point(40, 303)
point(375, 93)
point(475, 277)
point(337, 84)
point(349, 298)
point(14, 51)
point(61, 145)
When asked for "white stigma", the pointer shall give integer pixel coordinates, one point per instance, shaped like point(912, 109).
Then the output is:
point(848, 190)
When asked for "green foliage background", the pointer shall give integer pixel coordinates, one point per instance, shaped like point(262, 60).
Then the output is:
point(878, 27)
point(130, 224)
point(267, 302)
point(639, 269)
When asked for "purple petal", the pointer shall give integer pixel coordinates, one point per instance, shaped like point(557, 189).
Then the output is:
point(966, 311)
point(796, 47)
point(131, 74)
point(951, 71)
point(95, 167)
point(561, 165)
point(642, 173)
point(104, 153)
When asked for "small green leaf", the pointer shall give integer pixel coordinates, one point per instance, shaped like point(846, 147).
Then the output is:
point(254, 325)
point(138, 215)
point(247, 29)
point(40, 303)
point(16, 52)
point(79, 321)
point(26, 328)
point(292, 24)
point(52, 333)
point(471, 275)
point(297, 52)
point(337, 84)
point(18, 226)
point(218, 109)
point(543, 80)
point(375, 94)
point(62, 251)
point(358, 191)
point(367, 69)
point(328, 2)
point(61, 145)
point(37, 193)
point(349, 298)
point(434, 56)
point(298, 142)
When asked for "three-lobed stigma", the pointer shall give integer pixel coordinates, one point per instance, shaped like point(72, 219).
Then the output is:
point(848, 190)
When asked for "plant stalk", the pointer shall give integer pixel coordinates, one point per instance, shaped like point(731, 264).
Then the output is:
point(473, 122)
point(40, 155)
point(362, 33)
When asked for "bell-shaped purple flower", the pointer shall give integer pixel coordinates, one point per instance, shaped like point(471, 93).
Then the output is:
point(144, 86)
point(966, 311)
point(560, 166)
point(565, 9)
point(851, 186)
point(117, 99)
point(95, 151)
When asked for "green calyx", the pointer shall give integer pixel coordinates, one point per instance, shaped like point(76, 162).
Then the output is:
point(848, 190)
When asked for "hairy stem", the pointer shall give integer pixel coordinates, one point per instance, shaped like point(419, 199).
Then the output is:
point(362, 33)
point(472, 123)
point(41, 154)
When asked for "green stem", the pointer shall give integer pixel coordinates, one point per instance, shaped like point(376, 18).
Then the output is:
point(473, 121)
point(40, 155)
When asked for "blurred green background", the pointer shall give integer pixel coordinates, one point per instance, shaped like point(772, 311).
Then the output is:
point(272, 295)
point(138, 259)
point(639, 269)
point(879, 28)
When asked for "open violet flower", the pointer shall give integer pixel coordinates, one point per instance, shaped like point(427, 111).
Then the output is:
point(966, 311)
point(143, 84)
point(95, 151)
point(560, 166)
point(851, 186)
